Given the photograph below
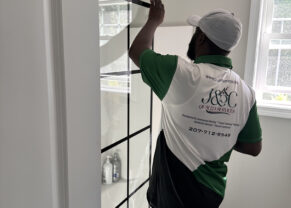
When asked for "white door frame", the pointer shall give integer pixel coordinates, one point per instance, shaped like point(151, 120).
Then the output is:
point(72, 55)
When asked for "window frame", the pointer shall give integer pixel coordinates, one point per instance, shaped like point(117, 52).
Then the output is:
point(257, 52)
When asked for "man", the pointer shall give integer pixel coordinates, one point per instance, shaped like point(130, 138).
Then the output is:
point(207, 111)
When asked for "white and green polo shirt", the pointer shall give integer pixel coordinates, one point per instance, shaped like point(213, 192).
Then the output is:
point(206, 109)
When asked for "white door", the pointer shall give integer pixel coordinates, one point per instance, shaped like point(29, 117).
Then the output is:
point(49, 104)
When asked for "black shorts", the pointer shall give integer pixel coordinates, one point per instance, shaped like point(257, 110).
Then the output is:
point(173, 185)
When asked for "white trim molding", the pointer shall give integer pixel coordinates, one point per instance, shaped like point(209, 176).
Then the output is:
point(274, 111)
point(82, 89)
point(254, 52)
point(253, 41)
point(72, 65)
point(57, 102)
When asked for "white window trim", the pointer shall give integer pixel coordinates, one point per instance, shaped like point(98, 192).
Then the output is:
point(252, 56)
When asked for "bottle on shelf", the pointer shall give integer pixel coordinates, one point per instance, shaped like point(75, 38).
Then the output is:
point(107, 171)
point(116, 162)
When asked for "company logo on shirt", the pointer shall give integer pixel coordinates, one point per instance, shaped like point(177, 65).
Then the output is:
point(219, 102)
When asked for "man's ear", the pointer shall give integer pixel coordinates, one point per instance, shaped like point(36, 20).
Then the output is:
point(201, 39)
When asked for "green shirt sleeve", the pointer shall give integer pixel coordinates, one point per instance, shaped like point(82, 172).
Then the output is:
point(157, 71)
point(252, 132)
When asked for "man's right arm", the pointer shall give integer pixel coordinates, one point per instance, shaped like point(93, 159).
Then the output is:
point(143, 40)
point(253, 149)
point(250, 138)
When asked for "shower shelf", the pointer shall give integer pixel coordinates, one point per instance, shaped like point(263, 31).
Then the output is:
point(106, 188)
point(113, 194)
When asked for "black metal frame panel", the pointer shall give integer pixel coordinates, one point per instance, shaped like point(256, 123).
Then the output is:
point(149, 127)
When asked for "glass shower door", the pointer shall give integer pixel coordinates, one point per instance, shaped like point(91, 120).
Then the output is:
point(126, 105)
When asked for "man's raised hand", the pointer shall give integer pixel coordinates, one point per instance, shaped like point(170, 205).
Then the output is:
point(157, 12)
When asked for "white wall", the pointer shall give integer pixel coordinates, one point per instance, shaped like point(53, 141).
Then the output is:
point(49, 104)
point(25, 163)
point(264, 181)
point(261, 182)
point(177, 14)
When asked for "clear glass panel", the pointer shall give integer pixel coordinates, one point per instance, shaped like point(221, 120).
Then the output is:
point(139, 200)
point(281, 26)
point(139, 18)
point(139, 15)
point(282, 9)
point(139, 160)
point(115, 83)
point(113, 110)
point(139, 104)
point(113, 21)
point(277, 26)
point(113, 194)
point(279, 62)
point(110, 30)
point(287, 26)
point(272, 65)
point(281, 16)
point(124, 205)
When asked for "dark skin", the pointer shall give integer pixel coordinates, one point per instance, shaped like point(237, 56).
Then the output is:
point(249, 148)
point(198, 46)
point(144, 39)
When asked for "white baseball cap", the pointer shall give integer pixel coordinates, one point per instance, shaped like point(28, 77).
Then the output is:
point(220, 26)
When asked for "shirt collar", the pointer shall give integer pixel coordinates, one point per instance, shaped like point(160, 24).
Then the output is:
point(218, 60)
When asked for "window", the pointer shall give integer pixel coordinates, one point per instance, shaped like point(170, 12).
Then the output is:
point(268, 66)
point(114, 18)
